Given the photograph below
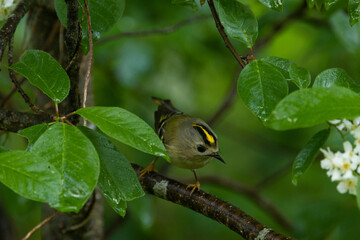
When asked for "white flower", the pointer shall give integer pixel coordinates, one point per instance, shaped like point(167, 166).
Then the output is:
point(332, 163)
point(6, 7)
point(350, 157)
point(357, 121)
point(340, 166)
point(345, 163)
point(357, 146)
point(356, 132)
point(348, 124)
point(328, 163)
point(7, 3)
point(335, 121)
point(347, 185)
point(344, 167)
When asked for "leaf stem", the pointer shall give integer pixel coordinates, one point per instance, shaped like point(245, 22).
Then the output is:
point(57, 109)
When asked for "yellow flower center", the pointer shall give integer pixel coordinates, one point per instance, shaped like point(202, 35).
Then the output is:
point(346, 166)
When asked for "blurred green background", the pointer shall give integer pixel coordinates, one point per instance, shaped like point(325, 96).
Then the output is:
point(194, 69)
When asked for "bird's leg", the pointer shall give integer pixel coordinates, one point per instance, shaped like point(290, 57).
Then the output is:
point(194, 186)
point(149, 168)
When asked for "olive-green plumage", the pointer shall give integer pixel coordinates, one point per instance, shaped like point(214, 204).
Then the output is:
point(189, 142)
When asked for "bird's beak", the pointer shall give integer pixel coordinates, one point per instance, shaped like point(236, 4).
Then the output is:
point(217, 156)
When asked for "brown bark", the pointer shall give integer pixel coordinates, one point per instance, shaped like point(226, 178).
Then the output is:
point(208, 205)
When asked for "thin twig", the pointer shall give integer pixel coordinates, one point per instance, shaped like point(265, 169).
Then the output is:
point(16, 82)
point(68, 122)
point(220, 28)
point(208, 205)
point(8, 29)
point(40, 225)
point(253, 195)
point(13, 90)
point(146, 33)
point(228, 99)
point(87, 78)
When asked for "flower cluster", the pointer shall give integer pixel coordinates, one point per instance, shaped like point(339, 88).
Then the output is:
point(6, 7)
point(344, 167)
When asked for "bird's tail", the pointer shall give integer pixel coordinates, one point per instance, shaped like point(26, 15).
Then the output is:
point(165, 111)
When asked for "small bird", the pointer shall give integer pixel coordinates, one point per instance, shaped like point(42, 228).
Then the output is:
point(189, 142)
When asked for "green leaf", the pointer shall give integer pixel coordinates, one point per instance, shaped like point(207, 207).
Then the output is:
point(238, 20)
point(329, 3)
point(44, 72)
point(61, 11)
point(281, 64)
point(261, 86)
point(311, 106)
point(4, 149)
point(348, 36)
point(34, 132)
point(74, 156)
point(117, 180)
point(104, 14)
point(307, 155)
point(187, 3)
point(333, 77)
point(30, 176)
point(300, 76)
point(354, 11)
point(273, 4)
point(125, 127)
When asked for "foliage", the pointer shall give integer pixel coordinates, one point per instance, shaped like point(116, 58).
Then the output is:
point(63, 164)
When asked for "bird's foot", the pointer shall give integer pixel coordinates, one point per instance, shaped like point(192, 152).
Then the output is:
point(150, 168)
point(193, 187)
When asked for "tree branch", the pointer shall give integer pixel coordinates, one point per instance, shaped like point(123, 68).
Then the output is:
point(220, 28)
point(15, 121)
point(146, 33)
point(208, 205)
point(253, 195)
point(8, 29)
point(73, 53)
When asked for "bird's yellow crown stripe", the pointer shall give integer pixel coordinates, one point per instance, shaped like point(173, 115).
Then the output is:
point(208, 136)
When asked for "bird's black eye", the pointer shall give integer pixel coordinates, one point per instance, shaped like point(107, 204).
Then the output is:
point(201, 148)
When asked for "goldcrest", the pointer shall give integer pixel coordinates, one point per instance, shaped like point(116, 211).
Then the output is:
point(189, 142)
